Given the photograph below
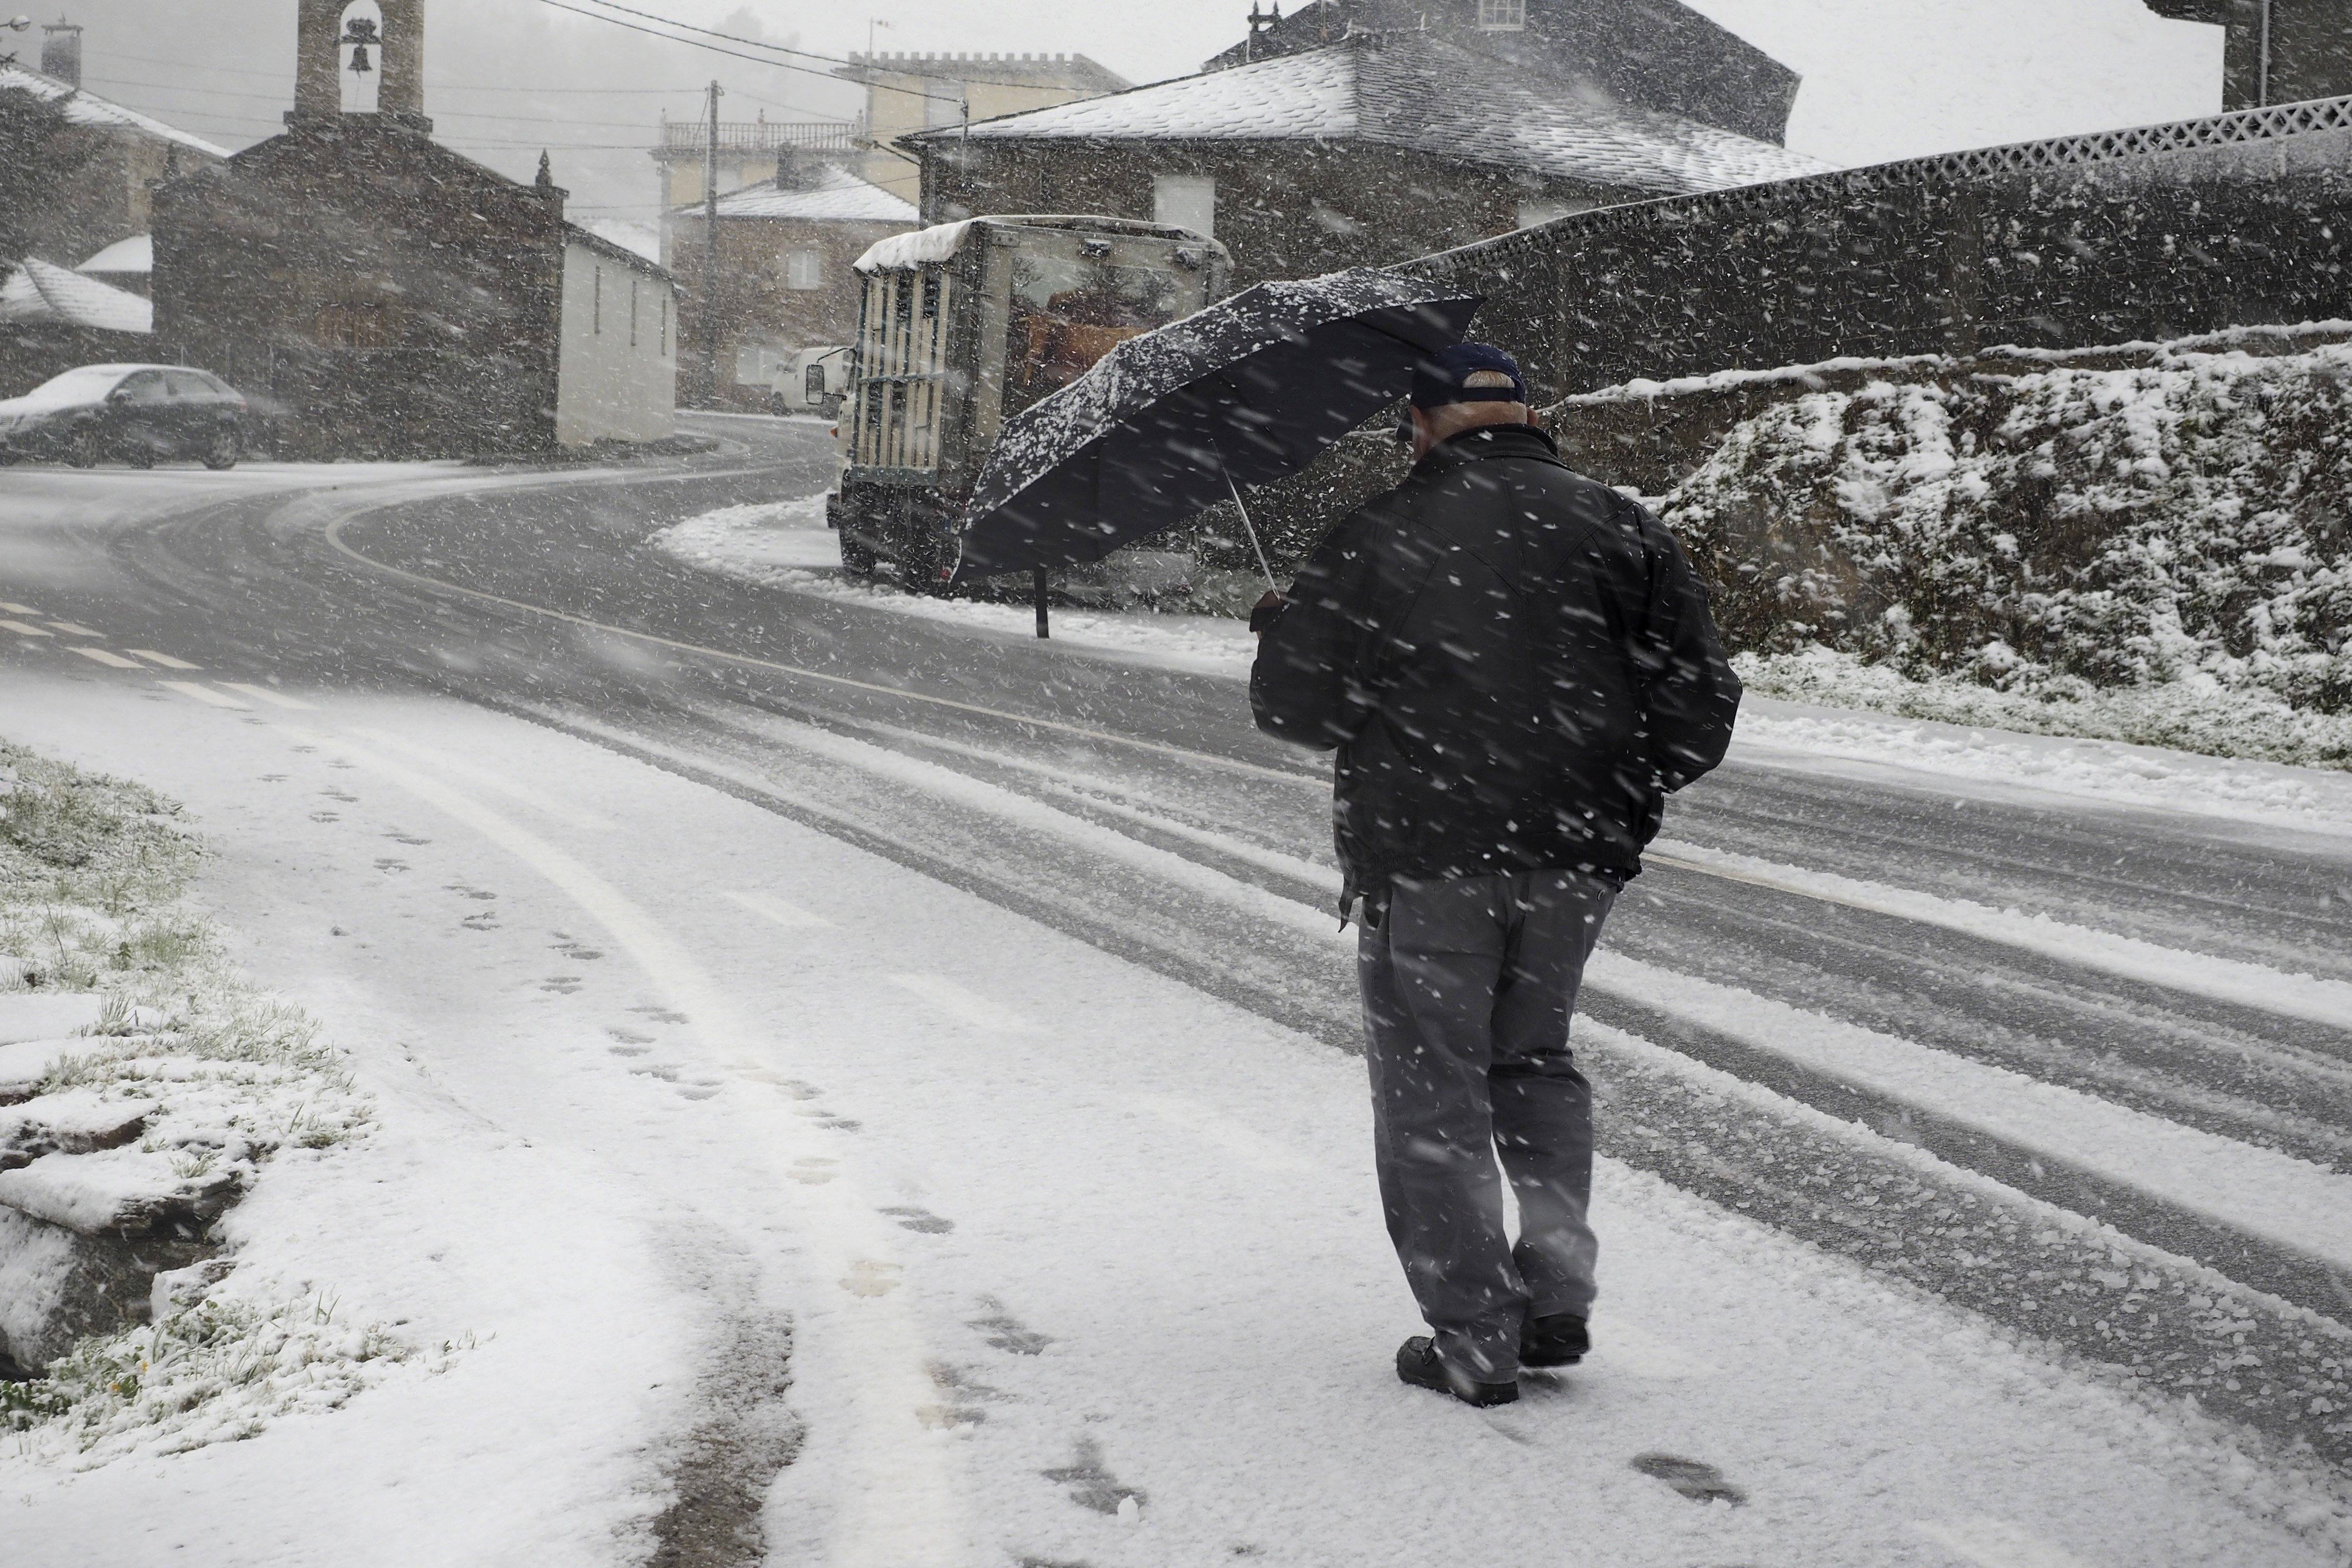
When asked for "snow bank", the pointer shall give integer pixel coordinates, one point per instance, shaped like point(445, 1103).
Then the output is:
point(2152, 554)
point(142, 1087)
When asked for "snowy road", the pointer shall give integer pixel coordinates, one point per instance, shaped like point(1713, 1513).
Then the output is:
point(973, 1008)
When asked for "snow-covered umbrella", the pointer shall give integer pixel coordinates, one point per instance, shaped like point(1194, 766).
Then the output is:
point(1176, 420)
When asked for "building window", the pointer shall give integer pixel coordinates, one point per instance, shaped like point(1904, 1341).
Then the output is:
point(1502, 15)
point(1185, 201)
point(804, 269)
point(357, 326)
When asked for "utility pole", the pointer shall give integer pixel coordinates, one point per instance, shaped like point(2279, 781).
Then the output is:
point(711, 252)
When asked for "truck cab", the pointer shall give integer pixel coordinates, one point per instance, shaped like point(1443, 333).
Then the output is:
point(812, 382)
point(964, 325)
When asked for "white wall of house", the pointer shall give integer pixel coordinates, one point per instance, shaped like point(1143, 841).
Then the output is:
point(618, 375)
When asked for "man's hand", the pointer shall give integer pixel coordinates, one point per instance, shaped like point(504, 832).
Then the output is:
point(1267, 610)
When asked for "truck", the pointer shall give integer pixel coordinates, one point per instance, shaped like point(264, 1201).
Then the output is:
point(813, 380)
point(961, 327)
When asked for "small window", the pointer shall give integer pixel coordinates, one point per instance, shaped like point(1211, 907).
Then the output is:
point(804, 269)
point(145, 388)
point(1185, 201)
point(1502, 15)
point(187, 383)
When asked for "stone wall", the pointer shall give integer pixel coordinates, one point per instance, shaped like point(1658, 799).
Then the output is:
point(2157, 234)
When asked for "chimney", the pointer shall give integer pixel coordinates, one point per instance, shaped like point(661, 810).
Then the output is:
point(61, 52)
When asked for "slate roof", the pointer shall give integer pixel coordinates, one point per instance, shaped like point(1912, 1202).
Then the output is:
point(837, 196)
point(88, 109)
point(37, 291)
point(1417, 91)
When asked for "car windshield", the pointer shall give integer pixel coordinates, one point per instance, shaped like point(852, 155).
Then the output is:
point(87, 384)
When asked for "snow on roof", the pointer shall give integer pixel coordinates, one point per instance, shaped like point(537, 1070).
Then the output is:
point(135, 255)
point(1418, 92)
point(639, 238)
point(914, 248)
point(88, 109)
point(37, 291)
point(837, 196)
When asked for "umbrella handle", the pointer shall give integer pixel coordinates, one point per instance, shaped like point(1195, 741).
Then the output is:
point(1247, 526)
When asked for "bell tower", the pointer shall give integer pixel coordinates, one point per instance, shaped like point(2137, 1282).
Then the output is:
point(326, 26)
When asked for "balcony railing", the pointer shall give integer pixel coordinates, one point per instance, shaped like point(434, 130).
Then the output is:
point(762, 135)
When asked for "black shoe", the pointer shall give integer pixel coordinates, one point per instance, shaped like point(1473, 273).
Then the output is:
point(1560, 1340)
point(1418, 1364)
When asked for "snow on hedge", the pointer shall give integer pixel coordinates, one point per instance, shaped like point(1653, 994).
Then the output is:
point(2159, 553)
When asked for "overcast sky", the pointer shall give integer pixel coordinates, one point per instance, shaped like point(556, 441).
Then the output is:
point(1884, 79)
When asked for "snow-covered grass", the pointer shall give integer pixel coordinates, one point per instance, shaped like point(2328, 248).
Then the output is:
point(2153, 553)
point(94, 875)
point(2190, 715)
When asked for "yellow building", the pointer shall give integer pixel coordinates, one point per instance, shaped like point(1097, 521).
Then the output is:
point(924, 92)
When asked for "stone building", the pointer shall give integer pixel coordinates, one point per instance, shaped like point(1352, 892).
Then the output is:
point(1371, 150)
point(390, 297)
point(119, 155)
point(907, 93)
point(1648, 54)
point(2276, 51)
point(784, 281)
point(747, 152)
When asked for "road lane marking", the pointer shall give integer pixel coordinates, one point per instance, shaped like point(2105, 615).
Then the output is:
point(521, 794)
point(165, 660)
point(18, 609)
point(22, 630)
point(964, 1007)
point(902, 1505)
point(107, 657)
point(776, 912)
point(203, 694)
point(275, 699)
point(334, 537)
point(71, 630)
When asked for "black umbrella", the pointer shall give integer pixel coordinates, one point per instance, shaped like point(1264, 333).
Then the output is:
point(1175, 420)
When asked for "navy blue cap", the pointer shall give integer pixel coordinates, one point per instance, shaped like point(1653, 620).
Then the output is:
point(1437, 380)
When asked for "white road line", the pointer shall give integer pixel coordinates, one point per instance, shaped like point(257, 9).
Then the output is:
point(902, 1505)
point(108, 656)
point(165, 660)
point(203, 694)
point(72, 630)
point(1995, 1543)
point(23, 630)
point(521, 794)
point(18, 609)
point(964, 1007)
point(275, 699)
point(776, 912)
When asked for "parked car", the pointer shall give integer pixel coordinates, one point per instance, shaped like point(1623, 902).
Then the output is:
point(137, 414)
point(812, 381)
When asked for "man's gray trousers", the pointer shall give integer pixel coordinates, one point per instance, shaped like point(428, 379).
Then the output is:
point(1468, 986)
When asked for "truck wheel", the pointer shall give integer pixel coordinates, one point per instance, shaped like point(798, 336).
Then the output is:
point(857, 559)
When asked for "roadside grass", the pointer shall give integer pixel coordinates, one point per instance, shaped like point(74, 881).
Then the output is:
point(95, 875)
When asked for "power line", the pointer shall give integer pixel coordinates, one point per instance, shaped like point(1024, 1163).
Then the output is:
point(443, 114)
point(430, 86)
point(737, 54)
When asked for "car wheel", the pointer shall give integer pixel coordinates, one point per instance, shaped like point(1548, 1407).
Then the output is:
point(86, 449)
point(138, 454)
point(223, 450)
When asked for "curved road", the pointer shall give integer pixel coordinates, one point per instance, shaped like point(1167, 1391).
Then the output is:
point(1828, 1005)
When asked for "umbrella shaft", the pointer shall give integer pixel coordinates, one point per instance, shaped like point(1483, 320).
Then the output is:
point(1248, 527)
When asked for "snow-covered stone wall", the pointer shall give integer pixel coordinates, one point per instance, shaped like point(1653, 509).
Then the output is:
point(2186, 522)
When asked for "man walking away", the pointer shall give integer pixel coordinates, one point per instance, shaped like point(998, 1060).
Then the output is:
point(1516, 665)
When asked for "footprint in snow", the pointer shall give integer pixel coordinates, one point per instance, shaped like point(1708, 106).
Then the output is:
point(274, 778)
point(912, 1218)
point(400, 838)
point(1007, 1333)
point(659, 1014)
point(324, 816)
point(486, 920)
point(696, 1091)
point(1091, 1485)
point(629, 1036)
point(1693, 1479)
point(656, 1070)
point(814, 1172)
point(562, 984)
point(869, 1278)
point(575, 951)
point(386, 863)
point(467, 890)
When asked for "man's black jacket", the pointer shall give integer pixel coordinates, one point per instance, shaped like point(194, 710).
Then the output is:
point(1515, 663)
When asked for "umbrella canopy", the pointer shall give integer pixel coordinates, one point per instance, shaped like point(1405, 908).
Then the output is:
point(1243, 392)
